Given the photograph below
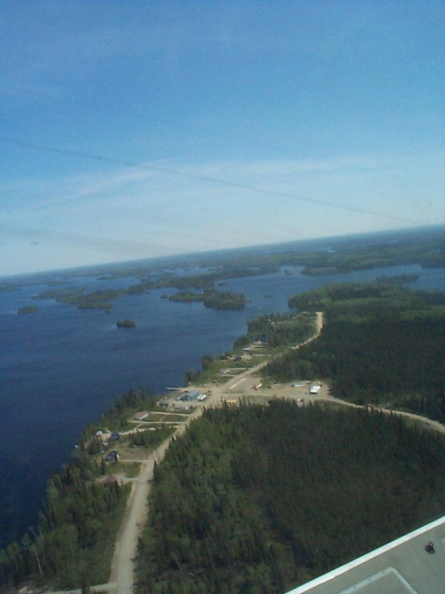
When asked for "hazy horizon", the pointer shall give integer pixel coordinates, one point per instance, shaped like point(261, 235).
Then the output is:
point(209, 254)
point(154, 130)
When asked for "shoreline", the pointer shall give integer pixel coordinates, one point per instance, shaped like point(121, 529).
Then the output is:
point(245, 389)
point(244, 385)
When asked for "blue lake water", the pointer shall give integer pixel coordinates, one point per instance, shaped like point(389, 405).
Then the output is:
point(61, 367)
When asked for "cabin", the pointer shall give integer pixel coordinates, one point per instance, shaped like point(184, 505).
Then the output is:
point(139, 416)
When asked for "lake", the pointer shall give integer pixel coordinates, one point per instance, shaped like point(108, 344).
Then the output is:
point(61, 367)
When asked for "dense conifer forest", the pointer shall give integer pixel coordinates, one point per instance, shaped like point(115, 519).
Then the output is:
point(381, 344)
point(73, 544)
point(259, 499)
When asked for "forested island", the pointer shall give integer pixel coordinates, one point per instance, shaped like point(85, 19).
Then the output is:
point(260, 499)
point(78, 297)
point(126, 323)
point(26, 310)
point(212, 298)
point(425, 247)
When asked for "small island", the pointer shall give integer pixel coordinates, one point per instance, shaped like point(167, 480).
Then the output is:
point(185, 297)
point(127, 323)
point(26, 310)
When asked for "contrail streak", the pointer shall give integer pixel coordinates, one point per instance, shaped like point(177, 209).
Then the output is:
point(204, 178)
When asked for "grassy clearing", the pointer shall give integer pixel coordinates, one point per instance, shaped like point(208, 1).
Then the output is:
point(129, 469)
point(220, 371)
point(132, 469)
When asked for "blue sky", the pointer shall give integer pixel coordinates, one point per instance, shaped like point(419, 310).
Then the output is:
point(132, 130)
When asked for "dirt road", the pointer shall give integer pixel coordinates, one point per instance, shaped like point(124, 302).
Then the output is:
point(122, 568)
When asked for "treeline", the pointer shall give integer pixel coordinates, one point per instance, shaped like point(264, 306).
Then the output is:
point(365, 298)
point(261, 499)
point(364, 256)
point(73, 544)
point(381, 344)
point(280, 329)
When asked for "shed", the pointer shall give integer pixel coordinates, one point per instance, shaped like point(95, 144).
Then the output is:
point(111, 480)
